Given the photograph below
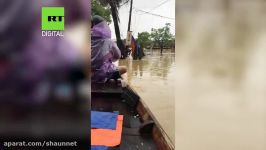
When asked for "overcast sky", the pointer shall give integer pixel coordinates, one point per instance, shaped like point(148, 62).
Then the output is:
point(144, 22)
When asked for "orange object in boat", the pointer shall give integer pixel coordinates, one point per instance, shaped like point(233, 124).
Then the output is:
point(107, 137)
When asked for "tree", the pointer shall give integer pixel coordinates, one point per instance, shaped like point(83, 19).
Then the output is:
point(114, 6)
point(162, 36)
point(101, 10)
point(144, 39)
point(170, 43)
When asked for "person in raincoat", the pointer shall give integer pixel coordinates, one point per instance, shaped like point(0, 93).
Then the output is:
point(104, 53)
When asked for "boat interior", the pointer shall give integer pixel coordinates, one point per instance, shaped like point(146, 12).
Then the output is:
point(140, 132)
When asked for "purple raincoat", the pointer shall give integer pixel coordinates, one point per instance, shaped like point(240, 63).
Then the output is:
point(31, 65)
point(104, 52)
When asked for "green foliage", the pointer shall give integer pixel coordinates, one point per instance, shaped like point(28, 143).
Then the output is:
point(144, 39)
point(101, 9)
point(162, 37)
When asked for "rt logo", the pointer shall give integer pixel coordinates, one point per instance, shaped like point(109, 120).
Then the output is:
point(53, 18)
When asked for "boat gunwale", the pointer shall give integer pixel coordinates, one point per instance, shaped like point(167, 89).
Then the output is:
point(149, 115)
point(159, 136)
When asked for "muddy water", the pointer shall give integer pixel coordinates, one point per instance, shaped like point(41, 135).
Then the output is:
point(153, 79)
point(220, 75)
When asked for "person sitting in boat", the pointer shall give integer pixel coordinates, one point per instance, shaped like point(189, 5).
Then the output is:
point(104, 53)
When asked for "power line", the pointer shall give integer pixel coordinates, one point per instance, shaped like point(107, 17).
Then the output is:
point(159, 5)
point(146, 12)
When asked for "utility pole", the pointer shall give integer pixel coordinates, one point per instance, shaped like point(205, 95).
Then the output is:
point(128, 40)
point(130, 12)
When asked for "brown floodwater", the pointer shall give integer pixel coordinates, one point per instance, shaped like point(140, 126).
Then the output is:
point(220, 75)
point(152, 78)
point(213, 97)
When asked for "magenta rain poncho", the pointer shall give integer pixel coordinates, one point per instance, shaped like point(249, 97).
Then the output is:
point(104, 52)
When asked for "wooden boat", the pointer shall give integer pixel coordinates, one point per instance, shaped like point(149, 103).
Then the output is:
point(68, 121)
point(140, 131)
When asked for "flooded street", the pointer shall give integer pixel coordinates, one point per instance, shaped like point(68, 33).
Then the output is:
point(153, 79)
point(217, 83)
point(210, 94)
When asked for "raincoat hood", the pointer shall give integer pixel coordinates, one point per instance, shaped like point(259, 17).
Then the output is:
point(101, 31)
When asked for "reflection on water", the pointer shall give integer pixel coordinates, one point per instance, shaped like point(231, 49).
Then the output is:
point(220, 75)
point(152, 78)
point(155, 66)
